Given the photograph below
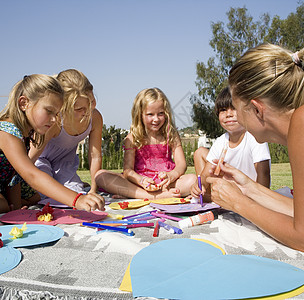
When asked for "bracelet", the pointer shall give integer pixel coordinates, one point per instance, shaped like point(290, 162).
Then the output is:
point(75, 200)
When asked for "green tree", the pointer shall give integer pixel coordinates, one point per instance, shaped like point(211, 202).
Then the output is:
point(230, 40)
point(112, 151)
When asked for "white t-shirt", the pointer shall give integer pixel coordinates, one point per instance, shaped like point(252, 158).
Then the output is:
point(242, 157)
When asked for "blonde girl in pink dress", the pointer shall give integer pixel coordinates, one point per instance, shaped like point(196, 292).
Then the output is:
point(154, 161)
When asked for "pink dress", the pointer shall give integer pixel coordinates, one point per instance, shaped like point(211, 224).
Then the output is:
point(151, 159)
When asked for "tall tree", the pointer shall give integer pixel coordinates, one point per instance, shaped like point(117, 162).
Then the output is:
point(229, 42)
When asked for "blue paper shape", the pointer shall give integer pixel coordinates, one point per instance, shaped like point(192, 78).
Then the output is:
point(34, 235)
point(189, 269)
point(9, 258)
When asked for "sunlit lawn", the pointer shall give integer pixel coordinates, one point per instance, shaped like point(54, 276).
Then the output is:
point(280, 175)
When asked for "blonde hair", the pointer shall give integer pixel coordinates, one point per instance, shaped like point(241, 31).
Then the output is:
point(33, 87)
point(269, 71)
point(75, 84)
point(140, 103)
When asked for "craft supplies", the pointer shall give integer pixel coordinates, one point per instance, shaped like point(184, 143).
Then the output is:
point(156, 229)
point(198, 219)
point(61, 216)
point(140, 214)
point(46, 214)
point(200, 186)
point(155, 176)
point(112, 228)
point(148, 217)
point(170, 228)
point(221, 159)
point(162, 215)
point(117, 217)
point(16, 232)
point(140, 225)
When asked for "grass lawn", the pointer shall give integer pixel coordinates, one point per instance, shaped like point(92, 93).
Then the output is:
point(280, 175)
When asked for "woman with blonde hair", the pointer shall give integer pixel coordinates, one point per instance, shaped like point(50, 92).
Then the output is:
point(267, 86)
point(79, 119)
point(149, 170)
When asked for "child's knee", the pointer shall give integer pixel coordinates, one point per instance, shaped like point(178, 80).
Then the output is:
point(100, 176)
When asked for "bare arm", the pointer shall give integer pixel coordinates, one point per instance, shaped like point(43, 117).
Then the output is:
point(180, 164)
point(263, 173)
point(287, 229)
point(129, 161)
point(15, 152)
point(95, 139)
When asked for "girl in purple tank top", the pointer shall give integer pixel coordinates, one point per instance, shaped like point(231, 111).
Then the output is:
point(33, 107)
point(80, 119)
point(154, 161)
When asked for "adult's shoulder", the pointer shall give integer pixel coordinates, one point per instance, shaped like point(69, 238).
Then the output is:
point(298, 114)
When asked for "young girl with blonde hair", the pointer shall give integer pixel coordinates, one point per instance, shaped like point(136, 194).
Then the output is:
point(149, 171)
point(267, 87)
point(33, 106)
point(79, 119)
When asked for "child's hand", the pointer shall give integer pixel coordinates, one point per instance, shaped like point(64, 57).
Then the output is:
point(149, 185)
point(90, 202)
point(166, 179)
point(196, 191)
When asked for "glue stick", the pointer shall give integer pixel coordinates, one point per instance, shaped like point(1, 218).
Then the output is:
point(198, 219)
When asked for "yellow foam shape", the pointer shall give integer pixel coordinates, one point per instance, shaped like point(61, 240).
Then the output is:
point(131, 204)
point(126, 284)
point(140, 203)
point(168, 201)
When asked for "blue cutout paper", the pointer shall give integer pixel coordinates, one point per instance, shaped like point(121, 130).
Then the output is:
point(190, 269)
point(34, 235)
point(9, 258)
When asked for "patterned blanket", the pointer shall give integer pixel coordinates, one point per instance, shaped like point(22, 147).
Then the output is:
point(87, 265)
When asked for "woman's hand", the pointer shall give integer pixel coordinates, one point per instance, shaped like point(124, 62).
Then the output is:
point(90, 202)
point(231, 174)
point(224, 193)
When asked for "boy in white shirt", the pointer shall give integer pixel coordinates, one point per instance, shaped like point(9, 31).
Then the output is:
point(244, 152)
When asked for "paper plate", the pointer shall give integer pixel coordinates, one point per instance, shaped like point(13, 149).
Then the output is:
point(34, 235)
point(9, 258)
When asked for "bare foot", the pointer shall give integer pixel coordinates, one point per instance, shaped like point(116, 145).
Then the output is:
point(171, 193)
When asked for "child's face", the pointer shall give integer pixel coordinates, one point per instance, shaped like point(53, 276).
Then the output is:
point(43, 113)
point(82, 106)
point(154, 116)
point(228, 120)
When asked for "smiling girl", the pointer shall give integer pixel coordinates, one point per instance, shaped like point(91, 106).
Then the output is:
point(149, 170)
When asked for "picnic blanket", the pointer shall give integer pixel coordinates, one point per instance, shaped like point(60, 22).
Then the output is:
point(87, 265)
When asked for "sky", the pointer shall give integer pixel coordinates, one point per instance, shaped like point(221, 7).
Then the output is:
point(122, 46)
